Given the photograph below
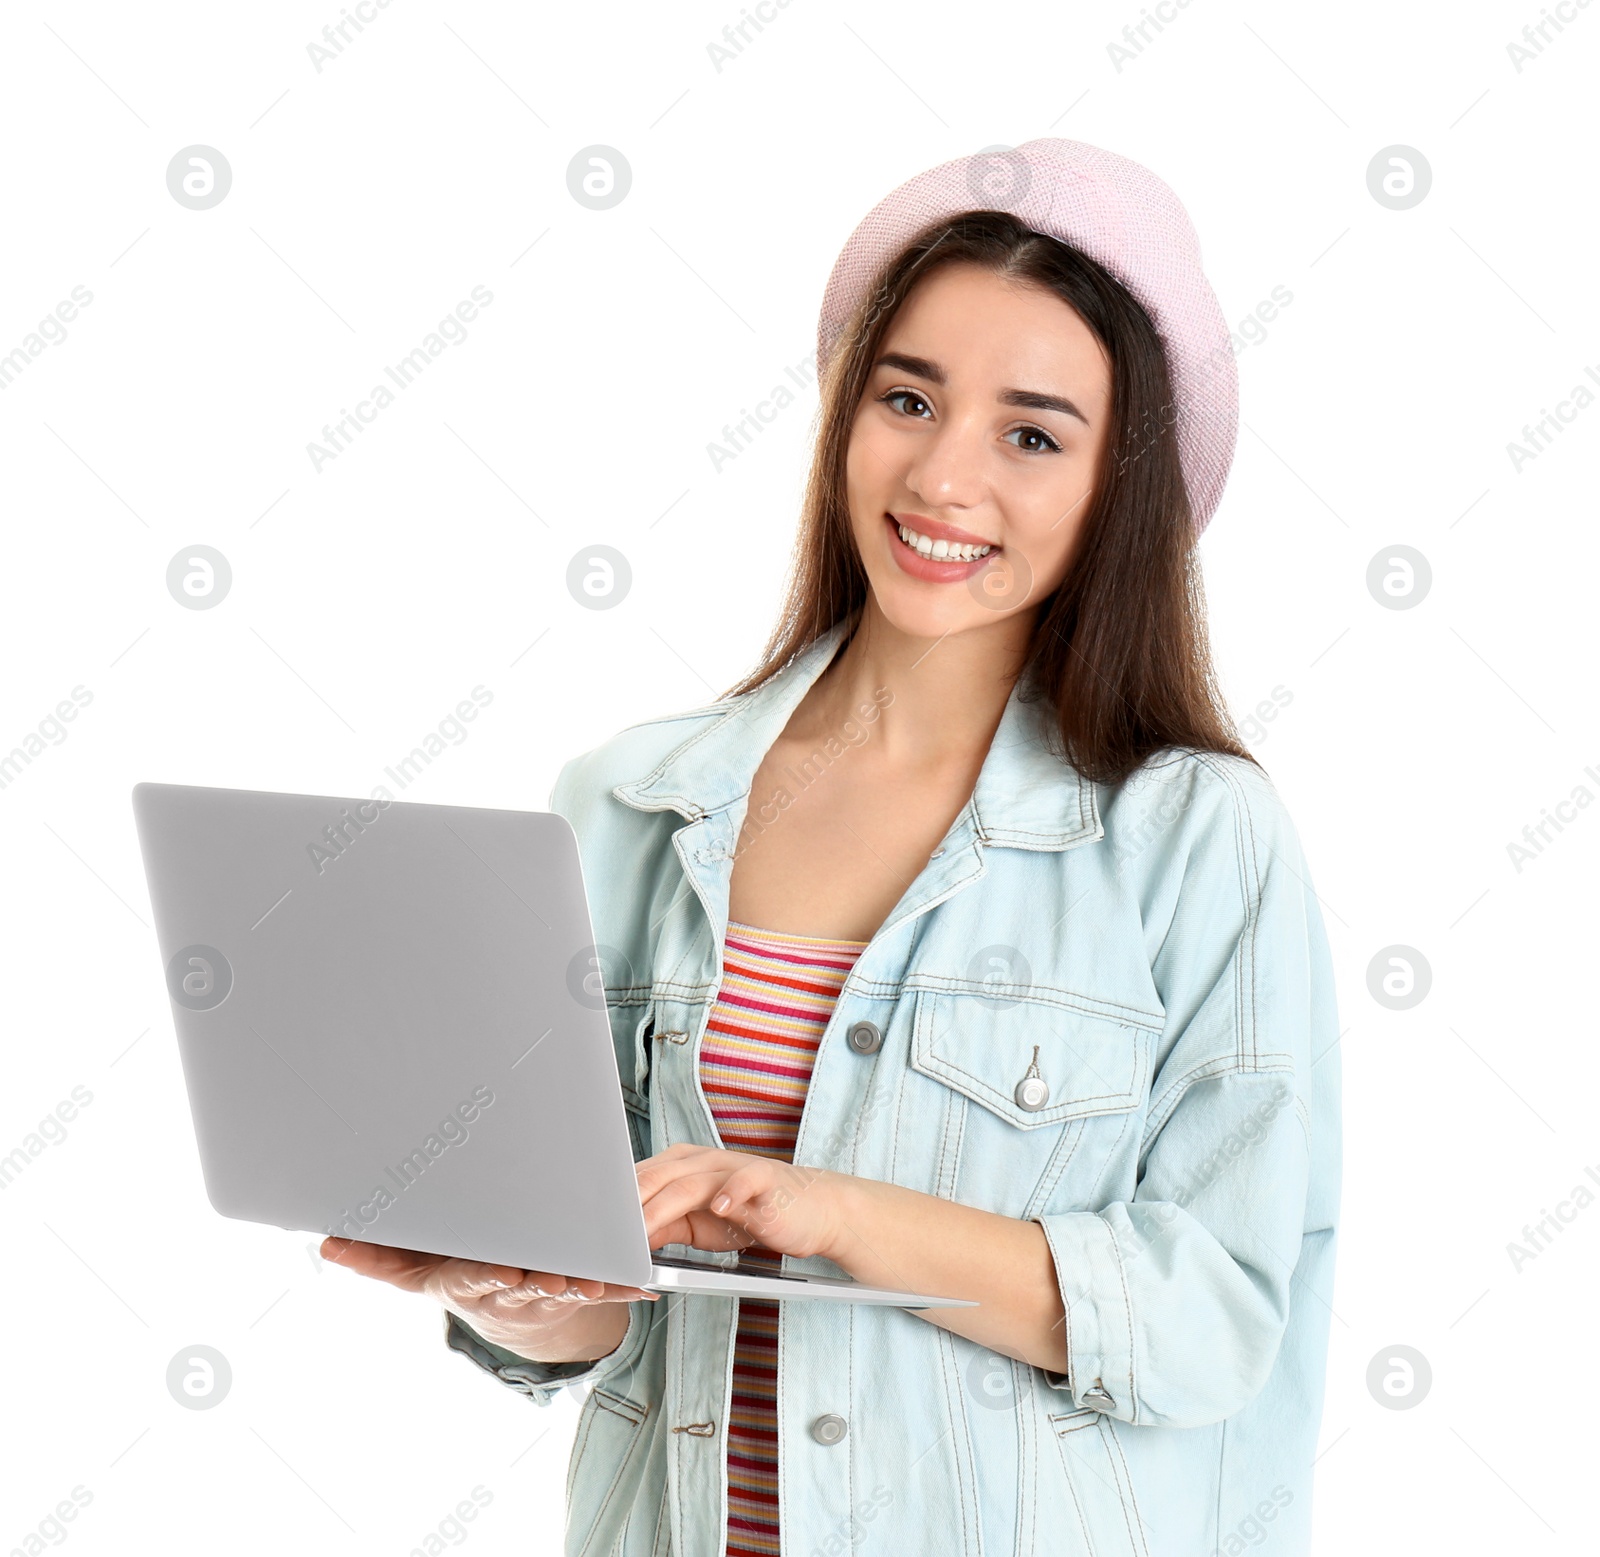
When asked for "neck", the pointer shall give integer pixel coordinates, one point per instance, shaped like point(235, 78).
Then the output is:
point(942, 698)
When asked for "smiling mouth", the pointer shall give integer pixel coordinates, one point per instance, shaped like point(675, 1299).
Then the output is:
point(939, 551)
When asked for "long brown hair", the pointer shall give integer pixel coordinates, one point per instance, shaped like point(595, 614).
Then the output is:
point(1119, 649)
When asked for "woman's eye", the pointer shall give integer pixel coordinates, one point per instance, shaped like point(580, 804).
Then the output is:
point(1042, 443)
point(911, 403)
point(910, 395)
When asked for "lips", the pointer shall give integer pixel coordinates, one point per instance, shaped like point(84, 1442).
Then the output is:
point(920, 563)
point(941, 530)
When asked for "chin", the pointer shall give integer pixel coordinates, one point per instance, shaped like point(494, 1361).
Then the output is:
point(927, 610)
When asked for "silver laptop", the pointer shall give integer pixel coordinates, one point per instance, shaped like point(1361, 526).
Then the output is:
point(393, 1030)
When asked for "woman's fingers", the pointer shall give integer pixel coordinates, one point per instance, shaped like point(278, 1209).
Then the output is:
point(679, 1161)
point(702, 1230)
point(410, 1269)
point(706, 1230)
point(591, 1292)
point(551, 1291)
point(669, 1206)
point(718, 1209)
point(471, 1283)
point(462, 1281)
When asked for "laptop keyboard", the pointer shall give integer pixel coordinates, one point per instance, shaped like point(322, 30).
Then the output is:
point(683, 1264)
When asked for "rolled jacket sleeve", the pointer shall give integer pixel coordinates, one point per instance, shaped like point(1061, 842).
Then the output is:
point(544, 1380)
point(1177, 1299)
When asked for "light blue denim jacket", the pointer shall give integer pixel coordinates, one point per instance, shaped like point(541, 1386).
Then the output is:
point(1159, 949)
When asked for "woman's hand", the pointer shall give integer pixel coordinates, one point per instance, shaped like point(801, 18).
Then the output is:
point(882, 1234)
point(713, 1199)
point(537, 1314)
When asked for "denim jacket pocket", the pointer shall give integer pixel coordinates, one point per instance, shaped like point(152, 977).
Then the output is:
point(1098, 1490)
point(1033, 1093)
point(610, 1433)
point(630, 1035)
point(989, 1047)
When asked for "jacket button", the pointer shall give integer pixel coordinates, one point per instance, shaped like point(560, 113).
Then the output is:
point(1097, 1398)
point(829, 1429)
point(865, 1038)
point(1032, 1093)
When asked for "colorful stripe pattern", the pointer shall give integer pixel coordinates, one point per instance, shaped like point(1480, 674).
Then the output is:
point(761, 1038)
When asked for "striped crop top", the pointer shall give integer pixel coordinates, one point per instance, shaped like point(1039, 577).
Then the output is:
point(761, 1038)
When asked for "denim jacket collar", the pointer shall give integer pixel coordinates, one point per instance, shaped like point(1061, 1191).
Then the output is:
point(1026, 797)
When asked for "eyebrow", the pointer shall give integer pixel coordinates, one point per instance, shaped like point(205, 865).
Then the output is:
point(1031, 399)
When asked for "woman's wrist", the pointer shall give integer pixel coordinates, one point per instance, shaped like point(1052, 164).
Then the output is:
point(586, 1334)
point(855, 1205)
point(887, 1235)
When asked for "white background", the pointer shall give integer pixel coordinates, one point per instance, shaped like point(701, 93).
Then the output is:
point(429, 157)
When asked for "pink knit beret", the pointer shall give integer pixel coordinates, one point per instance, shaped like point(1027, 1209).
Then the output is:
point(1124, 218)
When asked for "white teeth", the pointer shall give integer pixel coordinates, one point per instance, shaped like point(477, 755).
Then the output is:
point(945, 551)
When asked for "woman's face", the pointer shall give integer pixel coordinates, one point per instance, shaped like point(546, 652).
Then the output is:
point(983, 423)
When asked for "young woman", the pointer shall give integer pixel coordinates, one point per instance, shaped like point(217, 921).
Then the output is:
point(962, 948)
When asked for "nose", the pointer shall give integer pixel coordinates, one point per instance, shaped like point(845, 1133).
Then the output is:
point(948, 469)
